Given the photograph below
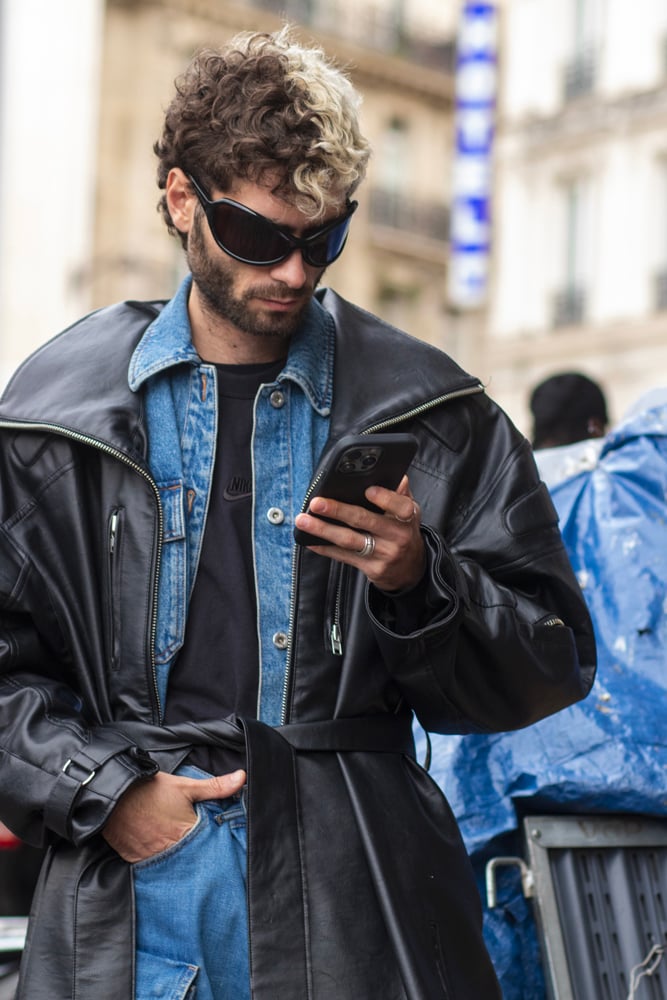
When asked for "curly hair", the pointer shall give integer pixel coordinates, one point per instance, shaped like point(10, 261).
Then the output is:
point(265, 108)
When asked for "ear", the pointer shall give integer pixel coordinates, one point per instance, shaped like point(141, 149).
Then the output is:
point(595, 427)
point(181, 199)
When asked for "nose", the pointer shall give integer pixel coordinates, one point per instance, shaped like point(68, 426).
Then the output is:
point(291, 271)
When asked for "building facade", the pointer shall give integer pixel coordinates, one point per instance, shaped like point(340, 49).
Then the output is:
point(579, 274)
point(50, 58)
point(77, 184)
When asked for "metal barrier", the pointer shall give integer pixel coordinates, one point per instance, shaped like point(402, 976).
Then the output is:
point(599, 890)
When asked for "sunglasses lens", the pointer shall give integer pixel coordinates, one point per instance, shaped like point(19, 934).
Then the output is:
point(246, 236)
point(325, 249)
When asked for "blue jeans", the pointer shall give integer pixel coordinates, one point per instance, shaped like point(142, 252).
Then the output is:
point(191, 914)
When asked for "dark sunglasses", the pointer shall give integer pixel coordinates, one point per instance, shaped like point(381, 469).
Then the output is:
point(251, 238)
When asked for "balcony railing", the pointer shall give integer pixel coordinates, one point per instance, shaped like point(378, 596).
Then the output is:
point(579, 76)
point(376, 28)
point(410, 215)
point(569, 307)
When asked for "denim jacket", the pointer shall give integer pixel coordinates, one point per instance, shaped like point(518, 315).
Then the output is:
point(291, 424)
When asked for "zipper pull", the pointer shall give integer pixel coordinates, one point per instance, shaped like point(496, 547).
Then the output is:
point(336, 640)
point(113, 527)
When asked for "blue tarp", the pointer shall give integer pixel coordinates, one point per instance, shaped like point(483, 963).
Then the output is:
point(609, 752)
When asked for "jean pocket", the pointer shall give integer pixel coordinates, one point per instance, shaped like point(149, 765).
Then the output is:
point(164, 978)
point(171, 853)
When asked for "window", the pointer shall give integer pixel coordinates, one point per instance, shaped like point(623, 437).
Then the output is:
point(570, 301)
point(394, 165)
point(396, 201)
point(580, 70)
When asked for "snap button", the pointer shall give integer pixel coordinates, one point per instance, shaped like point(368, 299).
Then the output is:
point(277, 399)
point(280, 640)
point(275, 515)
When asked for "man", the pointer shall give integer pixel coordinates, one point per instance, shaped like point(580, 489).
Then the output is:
point(570, 419)
point(165, 643)
point(567, 408)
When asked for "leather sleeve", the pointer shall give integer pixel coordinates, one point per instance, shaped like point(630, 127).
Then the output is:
point(508, 638)
point(58, 774)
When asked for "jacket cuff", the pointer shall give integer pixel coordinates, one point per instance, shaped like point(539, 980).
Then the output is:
point(429, 603)
point(92, 780)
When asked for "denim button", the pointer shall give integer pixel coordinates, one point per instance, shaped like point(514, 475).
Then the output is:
point(280, 640)
point(277, 399)
point(275, 515)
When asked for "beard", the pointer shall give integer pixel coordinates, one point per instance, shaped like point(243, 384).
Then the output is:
point(215, 277)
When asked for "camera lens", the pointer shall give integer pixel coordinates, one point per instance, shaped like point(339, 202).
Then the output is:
point(368, 461)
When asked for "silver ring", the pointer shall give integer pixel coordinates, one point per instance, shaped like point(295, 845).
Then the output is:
point(407, 520)
point(369, 547)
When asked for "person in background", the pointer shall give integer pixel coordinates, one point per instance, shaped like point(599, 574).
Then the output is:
point(565, 408)
point(569, 420)
point(210, 726)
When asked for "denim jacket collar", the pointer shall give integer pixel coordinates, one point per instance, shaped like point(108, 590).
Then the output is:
point(167, 342)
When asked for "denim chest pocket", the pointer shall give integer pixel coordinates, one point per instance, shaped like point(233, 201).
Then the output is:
point(173, 572)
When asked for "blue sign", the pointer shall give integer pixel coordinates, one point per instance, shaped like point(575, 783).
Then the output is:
point(476, 82)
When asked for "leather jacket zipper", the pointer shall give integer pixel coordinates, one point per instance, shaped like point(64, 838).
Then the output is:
point(336, 630)
point(336, 635)
point(113, 578)
point(333, 632)
point(126, 460)
point(336, 639)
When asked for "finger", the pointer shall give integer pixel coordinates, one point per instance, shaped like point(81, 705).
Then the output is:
point(346, 515)
point(220, 786)
point(400, 507)
point(403, 487)
point(337, 539)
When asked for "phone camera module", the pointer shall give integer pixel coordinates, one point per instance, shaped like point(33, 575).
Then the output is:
point(358, 460)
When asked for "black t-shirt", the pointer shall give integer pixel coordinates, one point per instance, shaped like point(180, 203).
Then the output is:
point(216, 672)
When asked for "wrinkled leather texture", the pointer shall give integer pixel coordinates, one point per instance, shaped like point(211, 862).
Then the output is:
point(358, 882)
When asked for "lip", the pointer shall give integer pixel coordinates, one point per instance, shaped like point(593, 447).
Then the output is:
point(281, 305)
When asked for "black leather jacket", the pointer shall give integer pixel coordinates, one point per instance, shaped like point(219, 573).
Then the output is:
point(358, 881)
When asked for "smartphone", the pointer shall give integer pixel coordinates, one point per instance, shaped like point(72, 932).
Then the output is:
point(356, 462)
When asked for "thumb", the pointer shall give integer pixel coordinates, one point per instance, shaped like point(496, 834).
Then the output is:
point(221, 786)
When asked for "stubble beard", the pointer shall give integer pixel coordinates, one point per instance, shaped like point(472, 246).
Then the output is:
point(215, 280)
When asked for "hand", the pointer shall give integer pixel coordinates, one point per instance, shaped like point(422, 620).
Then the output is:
point(152, 815)
point(396, 561)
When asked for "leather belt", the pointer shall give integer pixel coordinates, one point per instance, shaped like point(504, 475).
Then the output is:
point(276, 880)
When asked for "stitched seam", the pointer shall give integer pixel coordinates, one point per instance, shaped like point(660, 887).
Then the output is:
point(304, 886)
point(27, 508)
point(48, 707)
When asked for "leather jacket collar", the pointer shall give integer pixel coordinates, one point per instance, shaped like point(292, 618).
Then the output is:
point(49, 391)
